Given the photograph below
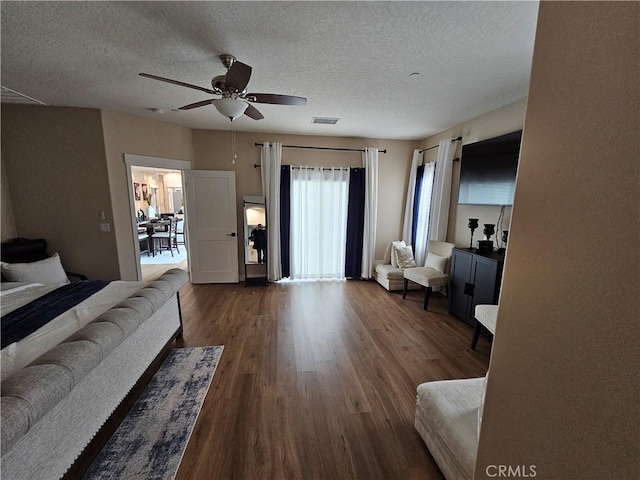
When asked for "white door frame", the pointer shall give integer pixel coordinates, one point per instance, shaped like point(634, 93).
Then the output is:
point(133, 160)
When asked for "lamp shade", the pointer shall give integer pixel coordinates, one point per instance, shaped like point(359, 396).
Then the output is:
point(231, 108)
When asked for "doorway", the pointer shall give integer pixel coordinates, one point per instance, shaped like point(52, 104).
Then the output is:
point(159, 217)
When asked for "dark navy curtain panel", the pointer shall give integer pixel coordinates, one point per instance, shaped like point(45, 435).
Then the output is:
point(285, 219)
point(355, 223)
point(416, 203)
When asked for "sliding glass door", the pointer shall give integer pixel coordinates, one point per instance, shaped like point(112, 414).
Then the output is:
point(319, 204)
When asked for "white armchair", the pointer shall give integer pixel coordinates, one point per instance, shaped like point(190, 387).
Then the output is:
point(435, 273)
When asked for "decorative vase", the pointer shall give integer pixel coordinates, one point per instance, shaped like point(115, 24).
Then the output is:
point(489, 229)
point(151, 212)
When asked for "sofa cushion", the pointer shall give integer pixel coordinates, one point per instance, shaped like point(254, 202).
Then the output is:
point(427, 277)
point(389, 271)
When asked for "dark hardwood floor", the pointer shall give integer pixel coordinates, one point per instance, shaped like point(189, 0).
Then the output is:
point(318, 380)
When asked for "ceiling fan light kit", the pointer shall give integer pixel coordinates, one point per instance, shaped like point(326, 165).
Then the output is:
point(231, 108)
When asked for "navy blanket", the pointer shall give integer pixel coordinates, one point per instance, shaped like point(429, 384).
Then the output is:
point(27, 319)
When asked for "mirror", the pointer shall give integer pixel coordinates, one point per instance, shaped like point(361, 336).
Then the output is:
point(255, 230)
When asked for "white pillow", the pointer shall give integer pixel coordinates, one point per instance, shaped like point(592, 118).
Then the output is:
point(386, 260)
point(394, 256)
point(47, 272)
point(436, 262)
point(404, 256)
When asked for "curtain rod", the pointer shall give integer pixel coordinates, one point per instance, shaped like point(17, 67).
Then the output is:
point(436, 146)
point(323, 168)
point(257, 165)
point(325, 148)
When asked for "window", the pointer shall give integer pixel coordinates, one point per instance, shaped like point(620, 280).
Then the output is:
point(319, 202)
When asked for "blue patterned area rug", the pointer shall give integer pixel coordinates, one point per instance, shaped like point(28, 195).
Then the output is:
point(151, 440)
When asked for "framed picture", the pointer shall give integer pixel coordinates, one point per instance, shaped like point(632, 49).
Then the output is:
point(145, 191)
point(136, 191)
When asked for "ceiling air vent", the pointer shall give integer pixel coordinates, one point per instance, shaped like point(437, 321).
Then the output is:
point(325, 120)
point(11, 96)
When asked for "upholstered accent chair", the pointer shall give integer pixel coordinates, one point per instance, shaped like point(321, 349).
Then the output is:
point(435, 273)
point(486, 316)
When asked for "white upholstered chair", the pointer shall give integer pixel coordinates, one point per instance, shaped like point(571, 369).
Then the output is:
point(435, 273)
point(486, 316)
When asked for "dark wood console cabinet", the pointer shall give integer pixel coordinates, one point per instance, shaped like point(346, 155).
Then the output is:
point(475, 280)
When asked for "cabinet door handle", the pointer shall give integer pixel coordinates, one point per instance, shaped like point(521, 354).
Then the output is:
point(468, 289)
point(232, 234)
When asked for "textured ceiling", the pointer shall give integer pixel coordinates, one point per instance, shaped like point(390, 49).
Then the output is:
point(352, 60)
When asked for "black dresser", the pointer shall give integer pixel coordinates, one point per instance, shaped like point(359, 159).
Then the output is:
point(475, 280)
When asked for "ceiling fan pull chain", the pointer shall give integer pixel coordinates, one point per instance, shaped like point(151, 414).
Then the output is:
point(233, 143)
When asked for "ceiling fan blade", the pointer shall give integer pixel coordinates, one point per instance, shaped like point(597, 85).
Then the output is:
point(275, 99)
point(196, 105)
point(237, 76)
point(252, 112)
point(177, 82)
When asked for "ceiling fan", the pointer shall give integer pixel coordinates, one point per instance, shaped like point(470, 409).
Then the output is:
point(232, 87)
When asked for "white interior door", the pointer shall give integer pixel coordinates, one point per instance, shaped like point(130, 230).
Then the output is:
point(212, 228)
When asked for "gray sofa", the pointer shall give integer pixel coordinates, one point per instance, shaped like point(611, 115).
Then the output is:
point(53, 408)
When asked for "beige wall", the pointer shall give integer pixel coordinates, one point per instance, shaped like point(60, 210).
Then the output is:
point(141, 136)
point(212, 151)
point(8, 226)
point(498, 122)
point(53, 156)
point(563, 392)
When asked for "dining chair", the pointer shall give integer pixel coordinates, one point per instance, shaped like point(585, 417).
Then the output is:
point(143, 238)
point(180, 231)
point(168, 239)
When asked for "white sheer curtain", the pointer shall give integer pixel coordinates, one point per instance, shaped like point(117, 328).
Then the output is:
point(407, 226)
point(424, 211)
point(319, 199)
point(370, 163)
point(271, 161)
point(442, 190)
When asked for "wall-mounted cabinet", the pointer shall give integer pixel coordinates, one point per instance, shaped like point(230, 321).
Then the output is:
point(475, 280)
